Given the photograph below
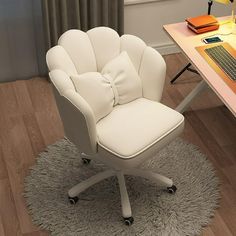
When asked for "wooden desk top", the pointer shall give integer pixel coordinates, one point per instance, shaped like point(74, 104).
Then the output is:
point(188, 40)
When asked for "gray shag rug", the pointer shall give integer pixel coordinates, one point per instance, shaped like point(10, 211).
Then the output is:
point(98, 211)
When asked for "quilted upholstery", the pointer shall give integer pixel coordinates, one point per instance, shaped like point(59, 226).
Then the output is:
point(130, 111)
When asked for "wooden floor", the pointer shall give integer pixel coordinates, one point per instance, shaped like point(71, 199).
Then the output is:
point(29, 121)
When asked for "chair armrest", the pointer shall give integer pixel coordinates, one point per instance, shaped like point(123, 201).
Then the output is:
point(77, 116)
point(152, 73)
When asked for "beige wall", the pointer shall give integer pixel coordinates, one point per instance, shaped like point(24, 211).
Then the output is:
point(146, 20)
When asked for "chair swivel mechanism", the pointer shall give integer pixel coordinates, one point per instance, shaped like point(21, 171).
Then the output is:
point(108, 91)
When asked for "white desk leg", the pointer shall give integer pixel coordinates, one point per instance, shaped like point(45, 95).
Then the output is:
point(182, 107)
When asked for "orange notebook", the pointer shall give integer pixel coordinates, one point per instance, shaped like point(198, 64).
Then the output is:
point(201, 24)
point(203, 29)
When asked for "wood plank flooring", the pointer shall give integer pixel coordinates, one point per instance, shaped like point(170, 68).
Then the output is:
point(29, 121)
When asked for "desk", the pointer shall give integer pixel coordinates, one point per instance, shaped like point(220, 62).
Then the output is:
point(187, 41)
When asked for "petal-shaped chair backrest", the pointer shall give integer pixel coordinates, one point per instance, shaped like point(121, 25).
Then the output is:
point(78, 52)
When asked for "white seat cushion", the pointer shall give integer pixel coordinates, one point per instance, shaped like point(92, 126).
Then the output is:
point(132, 128)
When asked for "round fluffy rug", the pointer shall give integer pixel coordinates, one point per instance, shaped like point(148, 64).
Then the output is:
point(98, 211)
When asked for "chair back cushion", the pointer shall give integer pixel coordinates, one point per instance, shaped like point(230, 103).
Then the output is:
point(118, 83)
point(96, 91)
point(124, 79)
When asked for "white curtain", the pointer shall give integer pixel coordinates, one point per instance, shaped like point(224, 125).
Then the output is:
point(22, 53)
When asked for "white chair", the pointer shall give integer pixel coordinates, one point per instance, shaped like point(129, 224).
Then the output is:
point(108, 91)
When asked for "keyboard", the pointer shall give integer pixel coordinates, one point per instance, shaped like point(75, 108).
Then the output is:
point(223, 59)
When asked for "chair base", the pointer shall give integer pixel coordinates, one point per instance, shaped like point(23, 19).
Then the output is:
point(125, 203)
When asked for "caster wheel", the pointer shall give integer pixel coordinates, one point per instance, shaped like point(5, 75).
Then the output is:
point(129, 221)
point(171, 189)
point(86, 161)
point(73, 200)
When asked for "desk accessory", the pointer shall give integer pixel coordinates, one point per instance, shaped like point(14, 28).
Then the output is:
point(223, 59)
point(215, 39)
point(210, 2)
point(202, 24)
point(232, 20)
point(217, 66)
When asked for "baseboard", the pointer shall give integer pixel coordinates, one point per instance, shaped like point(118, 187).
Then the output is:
point(166, 48)
point(133, 2)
